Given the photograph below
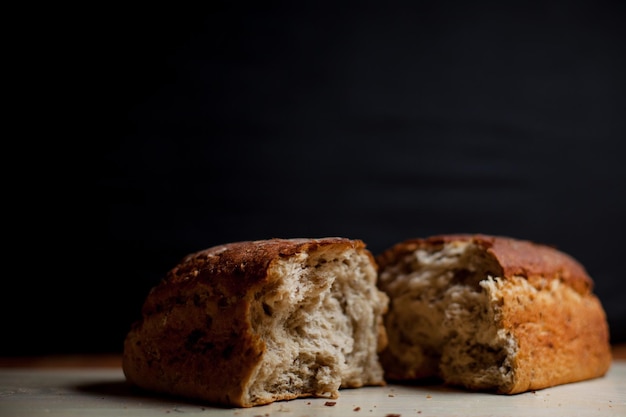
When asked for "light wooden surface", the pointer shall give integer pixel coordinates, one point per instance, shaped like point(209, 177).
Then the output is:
point(95, 386)
point(103, 392)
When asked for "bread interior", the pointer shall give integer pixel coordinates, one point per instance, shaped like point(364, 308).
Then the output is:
point(320, 321)
point(443, 318)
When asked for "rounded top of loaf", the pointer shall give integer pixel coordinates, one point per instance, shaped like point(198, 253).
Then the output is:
point(238, 266)
point(515, 257)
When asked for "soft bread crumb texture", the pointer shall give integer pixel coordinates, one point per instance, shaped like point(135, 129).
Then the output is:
point(319, 322)
point(250, 323)
point(454, 315)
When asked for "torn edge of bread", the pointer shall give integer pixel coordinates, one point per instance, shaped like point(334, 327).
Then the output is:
point(320, 322)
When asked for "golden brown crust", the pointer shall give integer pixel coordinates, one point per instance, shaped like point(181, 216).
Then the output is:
point(562, 337)
point(194, 338)
point(515, 257)
point(238, 266)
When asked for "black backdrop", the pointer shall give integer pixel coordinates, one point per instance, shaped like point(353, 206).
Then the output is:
point(172, 130)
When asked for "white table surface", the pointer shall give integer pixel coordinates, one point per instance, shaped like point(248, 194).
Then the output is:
point(103, 392)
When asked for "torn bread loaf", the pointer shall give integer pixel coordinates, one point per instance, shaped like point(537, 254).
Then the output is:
point(249, 323)
point(490, 313)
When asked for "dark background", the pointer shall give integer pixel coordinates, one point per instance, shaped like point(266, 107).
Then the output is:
point(160, 131)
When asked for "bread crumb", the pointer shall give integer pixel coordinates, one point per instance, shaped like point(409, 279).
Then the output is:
point(356, 408)
point(393, 415)
point(390, 395)
point(429, 396)
point(330, 403)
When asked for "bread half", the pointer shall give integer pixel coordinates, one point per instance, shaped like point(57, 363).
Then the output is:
point(490, 313)
point(250, 323)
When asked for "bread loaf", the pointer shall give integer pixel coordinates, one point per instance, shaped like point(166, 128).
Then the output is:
point(490, 313)
point(249, 323)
